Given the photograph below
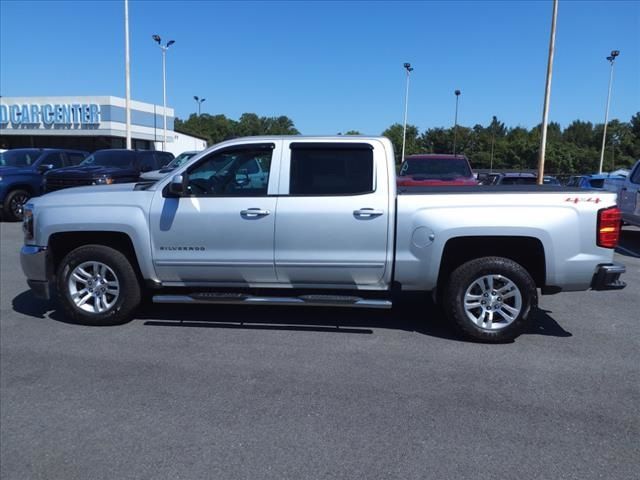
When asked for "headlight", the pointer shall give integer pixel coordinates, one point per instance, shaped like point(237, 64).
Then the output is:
point(103, 181)
point(27, 221)
point(0, 179)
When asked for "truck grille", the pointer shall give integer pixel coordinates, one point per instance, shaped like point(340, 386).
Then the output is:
point(53, 184)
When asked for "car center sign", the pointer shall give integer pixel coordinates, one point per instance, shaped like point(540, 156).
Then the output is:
point(49, 115)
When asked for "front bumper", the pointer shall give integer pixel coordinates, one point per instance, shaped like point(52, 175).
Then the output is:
point(607, 277)
point(37, 268)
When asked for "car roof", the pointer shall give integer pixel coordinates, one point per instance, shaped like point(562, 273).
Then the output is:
point(601, 176)
point(39, 149)
point(519, 174)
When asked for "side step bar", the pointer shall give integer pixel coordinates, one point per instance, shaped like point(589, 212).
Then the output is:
point(303, 300)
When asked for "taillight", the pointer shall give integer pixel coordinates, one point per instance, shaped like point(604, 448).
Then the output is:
point(609, 222)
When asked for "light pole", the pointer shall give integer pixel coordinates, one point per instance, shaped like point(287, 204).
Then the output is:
point(493, 141)
point(547, 94)
point(409, 69)
point(164, 49)
point(612, 60)
point(455, 127)
point(199, 102)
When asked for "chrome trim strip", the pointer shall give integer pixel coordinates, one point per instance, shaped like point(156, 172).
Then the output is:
point(206, 263)
point(330, 264)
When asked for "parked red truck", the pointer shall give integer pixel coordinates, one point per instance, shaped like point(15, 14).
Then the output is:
point(435, 169)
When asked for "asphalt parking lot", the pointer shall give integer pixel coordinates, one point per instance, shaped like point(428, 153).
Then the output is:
point(266, 392)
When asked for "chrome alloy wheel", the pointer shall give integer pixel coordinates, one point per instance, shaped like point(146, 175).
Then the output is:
point(93, 287)
point(492, 302)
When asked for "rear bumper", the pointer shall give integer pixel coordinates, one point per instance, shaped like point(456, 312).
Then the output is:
point(36, 267)
point(607, 277)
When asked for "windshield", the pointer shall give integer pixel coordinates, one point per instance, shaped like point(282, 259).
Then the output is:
point(18, 158)
point(180, 159)
point(105, 158)
point(439, 168)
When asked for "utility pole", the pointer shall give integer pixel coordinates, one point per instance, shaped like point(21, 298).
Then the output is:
point(127, 74)
point(547, 94)
point(493, 141)
point(455, 127)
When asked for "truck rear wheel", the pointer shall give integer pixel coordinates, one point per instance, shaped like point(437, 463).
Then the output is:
point(97, 285)
point(490, 299)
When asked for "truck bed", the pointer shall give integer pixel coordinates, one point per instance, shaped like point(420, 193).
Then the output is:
point(479, 189)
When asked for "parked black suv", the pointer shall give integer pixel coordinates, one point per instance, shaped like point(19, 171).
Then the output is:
point(105, 167)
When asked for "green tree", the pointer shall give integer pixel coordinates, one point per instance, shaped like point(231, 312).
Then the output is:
point(412, 146)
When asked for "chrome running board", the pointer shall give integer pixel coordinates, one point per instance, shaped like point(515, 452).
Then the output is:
point(303, 300)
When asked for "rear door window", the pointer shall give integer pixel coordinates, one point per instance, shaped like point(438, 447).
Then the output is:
point(74, 158)
point(331, 169)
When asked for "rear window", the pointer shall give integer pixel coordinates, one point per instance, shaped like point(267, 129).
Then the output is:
point(436, 168)
point(597, 183)
point(107, 158)
point(331, 169)
point(163, 158)
point(180, 159)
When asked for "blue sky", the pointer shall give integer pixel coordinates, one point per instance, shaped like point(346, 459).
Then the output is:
point(332, 66)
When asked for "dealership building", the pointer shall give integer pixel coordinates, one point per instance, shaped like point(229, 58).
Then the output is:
point(88, 123)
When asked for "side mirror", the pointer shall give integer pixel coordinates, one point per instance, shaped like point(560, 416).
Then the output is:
point(45, 167)
point(176, 187)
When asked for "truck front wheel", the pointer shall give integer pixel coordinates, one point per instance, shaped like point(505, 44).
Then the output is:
point(97, 285)
point(14, 203)
point(490, 299)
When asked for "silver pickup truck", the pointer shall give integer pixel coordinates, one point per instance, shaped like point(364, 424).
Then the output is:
point(326, 227)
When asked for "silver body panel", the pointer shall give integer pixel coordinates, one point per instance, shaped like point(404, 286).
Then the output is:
point(321, 242)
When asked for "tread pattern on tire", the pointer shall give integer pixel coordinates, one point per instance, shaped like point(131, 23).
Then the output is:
point(7, 214)
point(461, 278)
point(130, 291)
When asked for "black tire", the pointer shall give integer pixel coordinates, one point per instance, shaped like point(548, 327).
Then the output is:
point(127, 300)
point(13, 203)
point(464, 278)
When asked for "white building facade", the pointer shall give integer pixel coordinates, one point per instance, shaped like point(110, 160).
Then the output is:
point(88, 123)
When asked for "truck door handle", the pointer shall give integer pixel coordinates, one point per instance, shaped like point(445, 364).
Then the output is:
point(367, 213)
point(254, 212)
